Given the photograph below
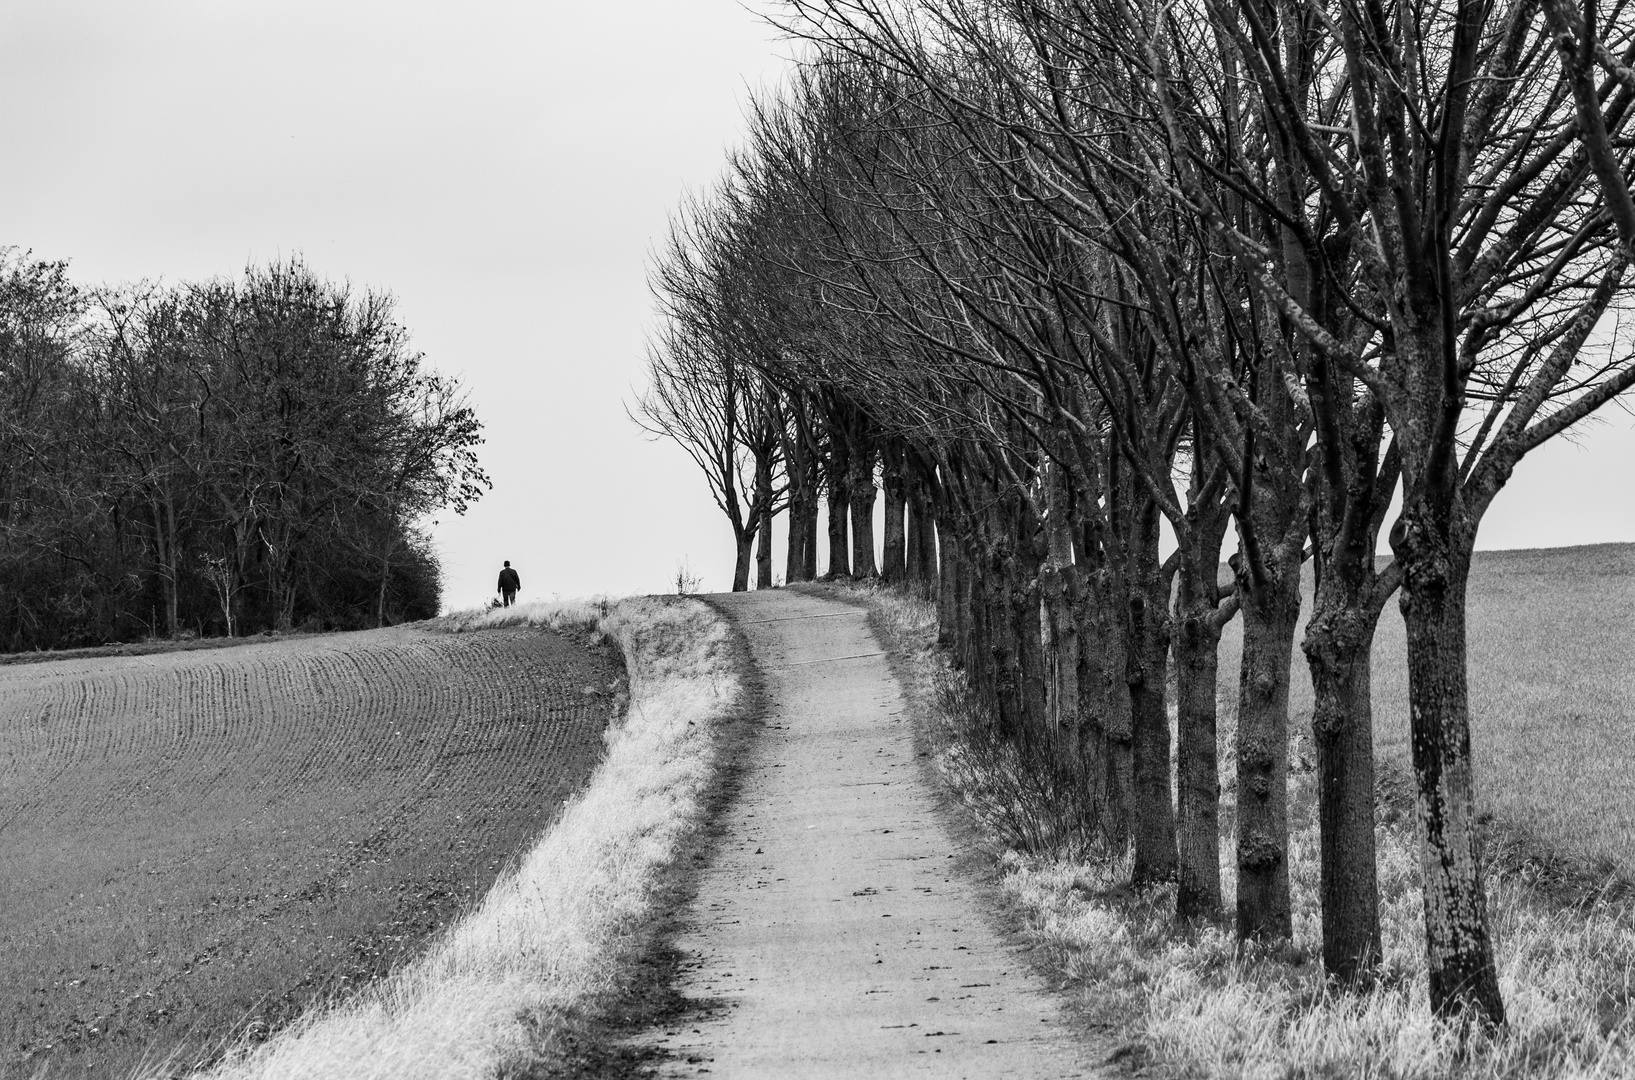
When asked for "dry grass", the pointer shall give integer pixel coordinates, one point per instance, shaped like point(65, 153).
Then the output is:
point(560, 615)
point(549, 938)
point(1191, 1001)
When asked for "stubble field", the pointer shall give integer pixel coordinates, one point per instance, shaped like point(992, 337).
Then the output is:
point(197, 845)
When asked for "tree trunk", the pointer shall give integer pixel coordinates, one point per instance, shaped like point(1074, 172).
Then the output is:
point(836, 469)
point(929, 561)
point(1001, 657)
point(164, 522)
point(1119, 723)
point(802, 514)
point(1436, 567)
point(763, 516)
point(894, 553)
point(839, 548)
point(1146, 661)
point(861, 488)
point(745, 542)
point(1025, 611)
point(1153, 824)
point(802, 467)
point(763, 553)
point(808, 569)
point(1270, 613)
point(948, 598)
point(1197, 771)
point(1061, 627)
point(1060, 640)
point(795, 554)
point(1338, 645)
point(385, 580)
point(914, 525)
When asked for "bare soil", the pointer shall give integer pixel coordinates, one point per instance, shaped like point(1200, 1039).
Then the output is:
point(200, 844)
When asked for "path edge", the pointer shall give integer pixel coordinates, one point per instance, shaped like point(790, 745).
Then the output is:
point(978, 852)
point(601, 1043)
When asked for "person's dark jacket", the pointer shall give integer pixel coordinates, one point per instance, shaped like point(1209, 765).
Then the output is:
point(509, 582)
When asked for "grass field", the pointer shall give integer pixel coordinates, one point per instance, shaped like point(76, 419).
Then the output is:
point(1551, 635)
point(198, 845)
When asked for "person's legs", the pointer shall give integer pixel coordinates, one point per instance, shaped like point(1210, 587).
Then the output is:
point(509, 597)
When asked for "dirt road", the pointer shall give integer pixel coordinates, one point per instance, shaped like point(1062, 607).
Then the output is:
point(834, 935)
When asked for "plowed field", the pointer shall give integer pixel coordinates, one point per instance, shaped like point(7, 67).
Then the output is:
point(198, 844)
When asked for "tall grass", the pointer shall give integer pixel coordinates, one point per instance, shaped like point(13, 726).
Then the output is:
point(1191, 1000)
point(577, 614)
point(547, 942)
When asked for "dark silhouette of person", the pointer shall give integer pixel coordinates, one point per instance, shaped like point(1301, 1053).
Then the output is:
point(509, 583)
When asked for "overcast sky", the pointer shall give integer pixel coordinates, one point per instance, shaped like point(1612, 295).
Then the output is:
point(505, 169)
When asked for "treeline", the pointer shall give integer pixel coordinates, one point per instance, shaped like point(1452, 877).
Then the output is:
point(224, 457)
point(1050, 276)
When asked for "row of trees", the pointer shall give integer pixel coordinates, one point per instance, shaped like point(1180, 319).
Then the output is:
point(1066, 270)
point(217, 458)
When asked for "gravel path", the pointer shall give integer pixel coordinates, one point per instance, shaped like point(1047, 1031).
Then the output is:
point(833, 935)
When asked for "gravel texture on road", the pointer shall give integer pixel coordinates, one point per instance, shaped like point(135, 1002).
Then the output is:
point(836, 933)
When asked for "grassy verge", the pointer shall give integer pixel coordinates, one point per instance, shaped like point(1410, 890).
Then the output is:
point(1190, 1001)
point(560, 615)
point(547, 946)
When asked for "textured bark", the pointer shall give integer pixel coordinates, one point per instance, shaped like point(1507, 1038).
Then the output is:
point(1119, 723)
point(1004, 657)
point(1093, 711)
point(1463, 979)
point(1057, 586)
point(1153, 822)
point(1197, 780)
point(1196, 647)
point(1338, 643)
point(1060, 639)
point(1025, 600)
point(1353, 494)
point(1270, 612)
point(1146, 666)
point(1198, 618)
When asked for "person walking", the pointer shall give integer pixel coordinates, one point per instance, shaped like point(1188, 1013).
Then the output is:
point(509, 583)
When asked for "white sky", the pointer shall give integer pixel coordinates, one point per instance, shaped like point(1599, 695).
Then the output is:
point(504, 169)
